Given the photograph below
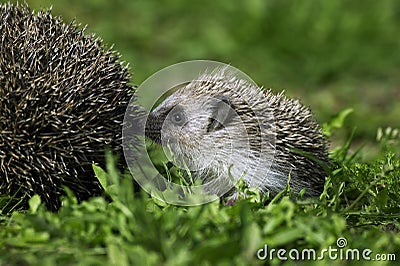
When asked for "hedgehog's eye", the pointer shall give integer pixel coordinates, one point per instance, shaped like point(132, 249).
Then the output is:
point(177, 117)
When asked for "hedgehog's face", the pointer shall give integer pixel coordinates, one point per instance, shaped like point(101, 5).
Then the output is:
point(195, 130)
point(216, 132)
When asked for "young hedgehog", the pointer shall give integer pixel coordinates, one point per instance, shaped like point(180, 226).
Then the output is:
point(220, 127)
point(62, 100)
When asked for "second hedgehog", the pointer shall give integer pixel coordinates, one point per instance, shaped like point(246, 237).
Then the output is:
point(63, 96)
point(221, 126)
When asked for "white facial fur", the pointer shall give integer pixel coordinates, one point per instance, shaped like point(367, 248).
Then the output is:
point(207, 135)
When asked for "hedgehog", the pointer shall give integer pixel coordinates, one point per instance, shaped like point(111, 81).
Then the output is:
point(63, 96)
point(223, 128)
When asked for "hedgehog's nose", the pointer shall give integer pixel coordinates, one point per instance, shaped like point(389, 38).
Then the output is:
point(153, 128)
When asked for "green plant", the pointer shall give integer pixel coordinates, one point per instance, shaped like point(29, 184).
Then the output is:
point(360, 202)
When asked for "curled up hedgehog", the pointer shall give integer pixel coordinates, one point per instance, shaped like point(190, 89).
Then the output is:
point(221, 126)
point(62, 101)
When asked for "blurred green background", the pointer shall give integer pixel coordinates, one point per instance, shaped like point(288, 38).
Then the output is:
point(330, 54)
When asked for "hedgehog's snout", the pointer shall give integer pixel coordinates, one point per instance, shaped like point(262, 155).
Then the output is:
point(153, 127)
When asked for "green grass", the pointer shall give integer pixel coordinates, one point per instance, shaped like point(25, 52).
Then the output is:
point(360, 202)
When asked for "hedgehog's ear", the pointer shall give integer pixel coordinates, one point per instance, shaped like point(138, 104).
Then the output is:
point(222, 113)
